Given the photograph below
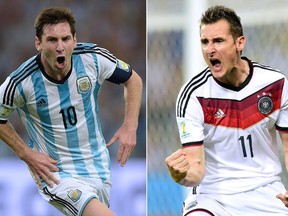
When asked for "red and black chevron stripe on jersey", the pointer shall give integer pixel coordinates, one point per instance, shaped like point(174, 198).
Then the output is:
point(244, 113)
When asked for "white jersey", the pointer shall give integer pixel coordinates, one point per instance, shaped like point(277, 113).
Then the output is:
point(61, 118)
point(237, 127)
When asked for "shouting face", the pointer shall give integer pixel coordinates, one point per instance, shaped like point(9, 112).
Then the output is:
point(56, 47)
point(220, 50)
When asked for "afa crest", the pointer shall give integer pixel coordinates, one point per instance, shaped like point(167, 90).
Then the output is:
point(83, 85)
point(74, 195)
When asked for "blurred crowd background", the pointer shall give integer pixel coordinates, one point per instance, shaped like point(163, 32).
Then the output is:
point(174, 55)
point(119, 26)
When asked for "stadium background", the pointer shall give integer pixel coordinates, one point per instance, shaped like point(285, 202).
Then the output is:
point(174, 54)
point(119, 26)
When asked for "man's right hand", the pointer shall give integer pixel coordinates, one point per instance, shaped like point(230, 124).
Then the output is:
point(178, 165)
point(41, 166)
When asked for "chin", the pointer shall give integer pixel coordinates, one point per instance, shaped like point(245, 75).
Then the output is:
point(217, 75)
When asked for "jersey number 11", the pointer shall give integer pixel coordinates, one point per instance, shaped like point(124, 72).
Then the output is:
point(244, 144)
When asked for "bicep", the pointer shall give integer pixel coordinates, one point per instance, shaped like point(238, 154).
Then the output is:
point(284, 138)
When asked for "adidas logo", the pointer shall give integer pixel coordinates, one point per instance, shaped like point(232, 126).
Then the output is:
point(42, 102)
point(219, 114)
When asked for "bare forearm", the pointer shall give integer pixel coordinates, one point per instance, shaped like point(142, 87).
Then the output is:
point(193, 178)
point(187, 167)
point(13, 140)
point(126, 134)
point(132, 95)
point(286, 157)
point(284, 138)
point(40, 164)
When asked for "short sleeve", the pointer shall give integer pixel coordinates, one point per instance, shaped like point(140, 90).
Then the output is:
point(6, 101)
point(282, 121)
point(190, 119)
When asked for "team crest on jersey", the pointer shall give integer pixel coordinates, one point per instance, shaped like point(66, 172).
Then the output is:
point(83, 85)
point(265, 105)
point(74, 195)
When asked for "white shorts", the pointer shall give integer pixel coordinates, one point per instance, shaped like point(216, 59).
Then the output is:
point(259, 202)
point(72, 195)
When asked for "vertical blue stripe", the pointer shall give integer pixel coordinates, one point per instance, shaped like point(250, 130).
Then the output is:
point(89, 116)
point(95, 94)
point(43, 113)
point(71, 130)
point(29, 123)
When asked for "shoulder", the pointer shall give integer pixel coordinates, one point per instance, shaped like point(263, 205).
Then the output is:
point(25, 69)
point(91, 48)
point(272, 77)
point(266, 70)
point(85, 47)
point(196, 82)
point(19, 80)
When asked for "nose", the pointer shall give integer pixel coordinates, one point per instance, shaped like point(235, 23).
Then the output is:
point(210, 49)
point(60, 46)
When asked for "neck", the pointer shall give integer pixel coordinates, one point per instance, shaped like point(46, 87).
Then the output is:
point(239, 73)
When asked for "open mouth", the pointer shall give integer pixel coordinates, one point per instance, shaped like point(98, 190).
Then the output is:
point(215, 62)
point(216, 65)
point(60, 59)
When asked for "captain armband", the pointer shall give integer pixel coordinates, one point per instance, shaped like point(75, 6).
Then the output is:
point(122, 73)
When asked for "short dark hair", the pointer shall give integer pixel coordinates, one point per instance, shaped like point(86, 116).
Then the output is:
point(219, 12)
point(51, 16)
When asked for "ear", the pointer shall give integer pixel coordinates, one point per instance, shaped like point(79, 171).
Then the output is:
point(75, 40)
point(240, 43)
point(38, 44)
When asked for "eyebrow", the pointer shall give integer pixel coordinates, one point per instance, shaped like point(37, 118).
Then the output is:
point(213, 39)
point(64, 37)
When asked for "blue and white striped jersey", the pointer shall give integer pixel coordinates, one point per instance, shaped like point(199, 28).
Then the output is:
point(61, 118)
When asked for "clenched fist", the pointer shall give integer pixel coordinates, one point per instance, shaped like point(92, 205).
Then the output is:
point(178, 165)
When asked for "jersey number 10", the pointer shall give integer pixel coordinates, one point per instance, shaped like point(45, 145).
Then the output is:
point(69, 116)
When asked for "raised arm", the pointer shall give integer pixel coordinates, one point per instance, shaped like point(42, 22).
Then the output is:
point(187, 165)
